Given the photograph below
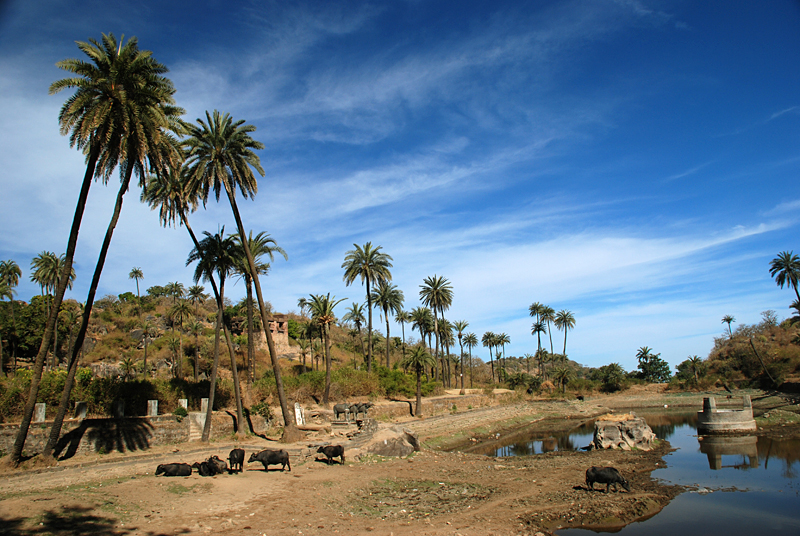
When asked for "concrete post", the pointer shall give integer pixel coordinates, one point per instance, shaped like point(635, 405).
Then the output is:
point(80, 410)
point(184, 403)
point(203, 405)
point(39, 412)
point(119, 408)
point(152, 408)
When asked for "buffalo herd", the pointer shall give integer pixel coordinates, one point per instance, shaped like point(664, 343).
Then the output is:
point(216, 466)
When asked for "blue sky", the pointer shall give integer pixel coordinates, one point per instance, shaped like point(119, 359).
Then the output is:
point(634, 162)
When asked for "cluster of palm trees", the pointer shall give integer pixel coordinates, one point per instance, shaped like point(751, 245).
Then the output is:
point(123, 114)
point(785, 268)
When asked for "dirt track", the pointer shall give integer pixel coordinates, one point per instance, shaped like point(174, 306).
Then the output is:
point(432, 492)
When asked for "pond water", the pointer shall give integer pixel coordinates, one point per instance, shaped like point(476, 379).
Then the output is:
point(739, 485)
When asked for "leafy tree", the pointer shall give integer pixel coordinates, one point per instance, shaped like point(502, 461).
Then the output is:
point(9, 278)
point(220, 156)
point(785, 268)
point(418, 360)
point(690, 369)
point(612, 377)
point(652, 368)
point(562, 375)
point(390, 299)
point(121, 113)
point(196, 328)
point(371, 266)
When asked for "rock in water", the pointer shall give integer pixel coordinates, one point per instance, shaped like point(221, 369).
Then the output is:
point(622, 432)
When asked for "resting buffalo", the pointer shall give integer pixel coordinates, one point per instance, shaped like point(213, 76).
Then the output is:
point(205, 468)
point(332, 451)
point(220, 464)
point(271, 457)
point(236, 459)
point(174, 469)
point(607, 476)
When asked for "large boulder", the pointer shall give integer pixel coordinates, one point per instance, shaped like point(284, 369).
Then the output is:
point(392, 441)
point(622, 432)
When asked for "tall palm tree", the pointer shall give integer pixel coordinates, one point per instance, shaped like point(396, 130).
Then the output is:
point(564, 320)
point(501, 341)
point(125, 111)
point(548, 316)
point(179, 313)
point(355, 314)
point(9, 276)
point(470, 341)
point(562, 375)
point(196, 295)
point(390, 299)
point(460, 326)
point(537, 328)
point(147, 332)
point(785, 268)
point(220, 156)
point(5, 292)
point(422, 319)
point(176, 290)
point(196, 328)
point(402, 317)
point(216, 255)
point(488, 342)
point(436, 292)
point(728, 319)
point(447, 340)
point(322, 315)
point(45, 271)
point(137, 274)
point(419, 360)
point(260, 245)
point(695, 363)
point(370, 265)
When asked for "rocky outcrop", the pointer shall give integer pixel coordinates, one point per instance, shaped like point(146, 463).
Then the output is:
point(394, 441)
point(622, 432)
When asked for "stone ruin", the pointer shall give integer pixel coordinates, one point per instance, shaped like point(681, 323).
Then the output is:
point(625, 432)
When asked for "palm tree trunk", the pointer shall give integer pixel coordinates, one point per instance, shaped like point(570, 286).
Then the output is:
point(72, 367)
point(251, 349)
point(290, 431)
point(462, 391)
point(491, 363)
point(196, 357)
point(237, 393)
point(386, 314)
point(36, 377)
point(418, 411)
point(566, 329)
point(327, 336)
point(213, 380)
point(470, 368)
point(369, 329)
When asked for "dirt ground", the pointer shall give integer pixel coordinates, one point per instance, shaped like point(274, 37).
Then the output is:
point(432, 492)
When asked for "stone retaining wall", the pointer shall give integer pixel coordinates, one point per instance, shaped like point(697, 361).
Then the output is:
point(125, 434)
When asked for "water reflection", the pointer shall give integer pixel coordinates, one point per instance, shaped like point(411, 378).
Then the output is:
point(715, 447)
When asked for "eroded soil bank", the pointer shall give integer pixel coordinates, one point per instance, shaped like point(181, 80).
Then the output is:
point(433, 492)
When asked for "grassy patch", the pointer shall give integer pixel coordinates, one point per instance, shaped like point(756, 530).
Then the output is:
point(414, 499)
point(777, 417)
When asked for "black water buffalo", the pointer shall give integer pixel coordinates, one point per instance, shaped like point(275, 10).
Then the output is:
point(205, 468)
point(174, 469)
point(271, 457)
point(236, 459)
point(607, 476)
point(580, 397)
point(340, 409)
point(332, 451)
point(220, 464)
